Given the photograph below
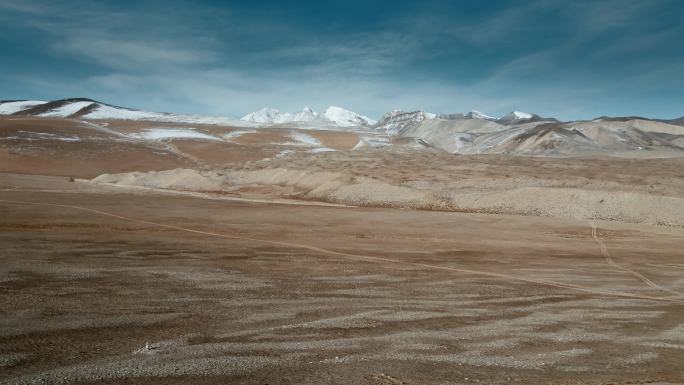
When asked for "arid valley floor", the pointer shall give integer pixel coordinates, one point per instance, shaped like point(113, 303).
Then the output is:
point(241, 266)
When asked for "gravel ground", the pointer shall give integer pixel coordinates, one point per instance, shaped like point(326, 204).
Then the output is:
point(89, 298)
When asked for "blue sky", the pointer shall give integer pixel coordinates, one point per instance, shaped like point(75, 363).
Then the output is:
point(568, 59)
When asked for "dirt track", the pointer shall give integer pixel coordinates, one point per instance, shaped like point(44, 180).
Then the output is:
point(610, 261)
point(246, 292)
point(388, 260)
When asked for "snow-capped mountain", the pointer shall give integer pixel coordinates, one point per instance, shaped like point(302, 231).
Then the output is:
point(264, 115)
point(346, 118)
point(305, 115)
point(517, 132)
point(515, 117)
point(542, 136)
point(474, 114)
point(268, 115)
point(83, 108)
point(394, 121)
point(91, 109)
point(331, 116)
point(454, 116)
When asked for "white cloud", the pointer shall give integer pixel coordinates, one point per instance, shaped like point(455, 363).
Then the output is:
point(130, 54)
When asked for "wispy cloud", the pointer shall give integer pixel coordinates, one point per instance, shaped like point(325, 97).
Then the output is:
point(116, 38)
point(133, 55)
point(551, 56)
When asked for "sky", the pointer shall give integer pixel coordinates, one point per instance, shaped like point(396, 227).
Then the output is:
point(567, 59)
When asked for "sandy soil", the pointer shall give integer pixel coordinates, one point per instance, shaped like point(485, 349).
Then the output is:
point(336, 140)
point(251, 293)
point(647, 191)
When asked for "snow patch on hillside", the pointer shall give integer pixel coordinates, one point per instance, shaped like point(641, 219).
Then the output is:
point(162, 133)
point(9, 108)
point(238, 133)
point(320, 149)
point(116, 113)
point(302, 139)
point(66, 110)
point(108, 112)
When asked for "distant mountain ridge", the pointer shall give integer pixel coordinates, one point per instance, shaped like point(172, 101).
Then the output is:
point(332, 115)
point(517, 132)
point(93, 109)
point(85, 108)
point(396, 120)
point(605, 136)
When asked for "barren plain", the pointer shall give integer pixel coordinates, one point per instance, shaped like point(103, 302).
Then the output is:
point(254, 260)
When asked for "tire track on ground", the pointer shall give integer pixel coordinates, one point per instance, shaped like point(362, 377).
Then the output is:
point(194, 194)
point(359, 256)
point(611, 262)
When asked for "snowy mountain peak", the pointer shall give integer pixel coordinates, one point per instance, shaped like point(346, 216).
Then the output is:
point(346, 118)
point(474, 114)
point(334, 109)
point(514, 117)
point(264, 115)
point(333, 115)
point(522, 115)
point(306, 115)
point(517, 115)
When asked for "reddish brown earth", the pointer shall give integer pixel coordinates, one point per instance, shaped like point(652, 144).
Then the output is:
point(336, 140)
point(123, 285)
point(239, 292)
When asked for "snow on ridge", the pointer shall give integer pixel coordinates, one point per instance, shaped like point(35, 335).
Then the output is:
point(8, 108)
point(475, 114)
point(332, 115)
point(306, 115)
point(346, 118)
point(67, 109)
point(522, 115)
point(103, 111)
point(109, 112)
point(100, 111)
point(392, 122)
point(516, 115)
point(264, 115)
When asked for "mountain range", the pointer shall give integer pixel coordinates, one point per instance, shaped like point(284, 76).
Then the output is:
point(332, 115)
point(517, 132)
point(84, 108)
